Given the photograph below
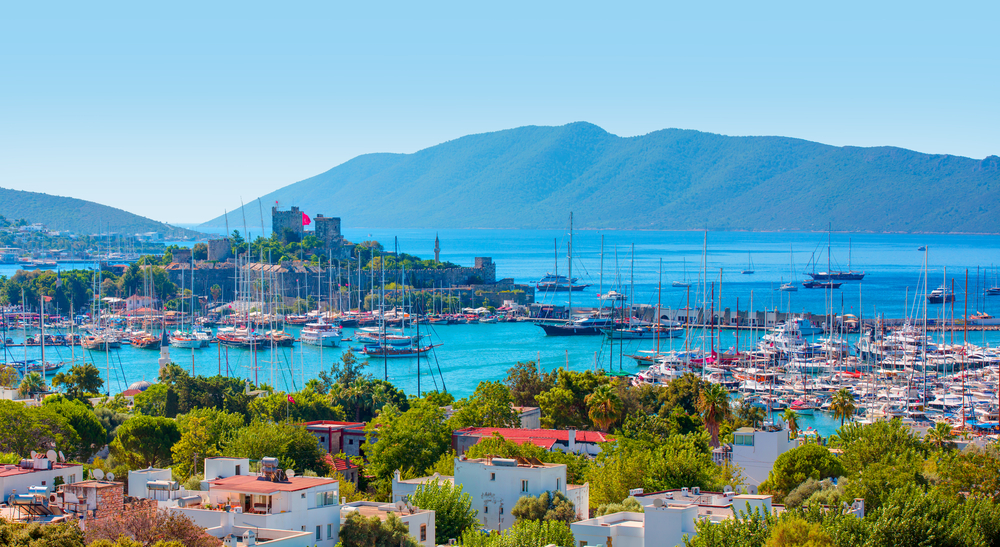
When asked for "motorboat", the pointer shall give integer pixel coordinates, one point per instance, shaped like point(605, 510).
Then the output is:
point(321, 334)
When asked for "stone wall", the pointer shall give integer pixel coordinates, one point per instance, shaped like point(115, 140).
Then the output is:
point(302, 279)
point(286, 220)
point(219, 249)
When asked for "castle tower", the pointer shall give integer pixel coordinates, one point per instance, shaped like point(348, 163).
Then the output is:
point(437, 249)
point(287, 224)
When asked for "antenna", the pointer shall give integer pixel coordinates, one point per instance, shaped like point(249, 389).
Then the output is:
point(97, 473)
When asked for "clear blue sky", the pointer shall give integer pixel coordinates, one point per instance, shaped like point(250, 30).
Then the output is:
point(174, 110)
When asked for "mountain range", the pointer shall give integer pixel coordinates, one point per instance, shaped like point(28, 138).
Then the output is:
point(83, 217)
point(673, 179)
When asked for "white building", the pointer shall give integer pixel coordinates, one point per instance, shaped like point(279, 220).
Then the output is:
point(496, 484)
point(756, 450)
point(139, 482)
point(667, 518)
point(403, 489)
point(419, 522)
point(273, 501)
point(37, 471)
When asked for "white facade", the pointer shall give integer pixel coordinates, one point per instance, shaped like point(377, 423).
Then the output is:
point(667, 518)
point(16, 478)
point(220, 468)
point(756, 450)
point(496, 484)
point(137, 480)
point(419, 522)
point(403, 489)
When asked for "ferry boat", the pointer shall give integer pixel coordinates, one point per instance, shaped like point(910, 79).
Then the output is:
point(558, 283)
point(320, 334)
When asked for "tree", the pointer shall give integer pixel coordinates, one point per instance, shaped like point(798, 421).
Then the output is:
point(489, 406)
point(308, 406)
point(796, 532)
point(792, 419)
point(940, 436)
point(359, 531)
point(630, 504)
point(37, 534)
point(564, 406)
point(31, 384)
point(684, 392)
point(524, 533)
point(149, 527)
point(547, 506)
point(33, 428)
point(219, 424)
point(90, 433)
point(412, 440)
point(714, 406)
point(453, 512)
point(809, 461)
point(199, 251)
point(292, 444)
point(145, 441)
point(604, 407)
point(525, 383)
point(842, 405)
point(194, 446)
point(344, 372)
point(80, 381)
point(8, 376)
point(216, 292)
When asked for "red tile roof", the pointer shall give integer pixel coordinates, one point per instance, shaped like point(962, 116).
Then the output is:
point(131, 392)
point(260, 485)
point(531, 435)
point(19, 471)
point(342, 464)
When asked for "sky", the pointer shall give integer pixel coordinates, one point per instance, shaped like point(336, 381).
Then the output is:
point(177, 110)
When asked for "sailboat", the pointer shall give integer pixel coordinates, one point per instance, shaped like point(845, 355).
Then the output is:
point(749, 270)
point(586, 326)
point(789, 287)
point(685, 282)
point(835, 275)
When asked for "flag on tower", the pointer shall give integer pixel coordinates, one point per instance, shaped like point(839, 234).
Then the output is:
point(306, 221)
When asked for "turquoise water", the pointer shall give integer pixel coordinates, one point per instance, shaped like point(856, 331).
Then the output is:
point(472, 353)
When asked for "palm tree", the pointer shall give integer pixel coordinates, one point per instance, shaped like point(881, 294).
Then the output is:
point(714, 406)
point(32, 383)
point(792, 419)
point(605, 407)
point(842, 405)
point(940, 436)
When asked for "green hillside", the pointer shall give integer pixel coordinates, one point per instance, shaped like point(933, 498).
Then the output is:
point(531, 177)
point(80, 216)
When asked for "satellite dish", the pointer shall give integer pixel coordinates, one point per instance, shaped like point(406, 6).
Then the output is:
point(34, 454)
point(51, 454)
point(289, 473)
point(61, 457)
point(658, 502)
point(111, 476)
point(97, 473)
point(727, 489)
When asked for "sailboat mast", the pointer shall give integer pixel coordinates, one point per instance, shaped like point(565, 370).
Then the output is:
point(659, 297)
point(569, 257)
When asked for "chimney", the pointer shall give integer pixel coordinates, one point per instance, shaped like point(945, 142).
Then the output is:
point(572, 440)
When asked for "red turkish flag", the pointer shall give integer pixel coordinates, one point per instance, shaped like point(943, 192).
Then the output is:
point(291, 399)
point(306, 221)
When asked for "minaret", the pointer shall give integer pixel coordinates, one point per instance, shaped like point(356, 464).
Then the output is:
point(437, 250)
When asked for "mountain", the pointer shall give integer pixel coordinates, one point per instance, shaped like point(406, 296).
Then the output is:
point(532, 177)
point(80, 216)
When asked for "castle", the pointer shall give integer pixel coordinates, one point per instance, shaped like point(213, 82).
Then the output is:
point(289, 227)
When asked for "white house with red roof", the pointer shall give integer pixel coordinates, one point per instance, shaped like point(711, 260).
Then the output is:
point(271, 500)
point(36, 471)
point(566, 440)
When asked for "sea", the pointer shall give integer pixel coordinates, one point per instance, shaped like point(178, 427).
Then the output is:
point(642, 264)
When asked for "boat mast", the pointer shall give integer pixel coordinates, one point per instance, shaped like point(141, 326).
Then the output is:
point(659, 295)
point(602, 267)
point(569, 260)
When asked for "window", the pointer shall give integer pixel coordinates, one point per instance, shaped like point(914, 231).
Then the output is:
point(524, 486)
point(319, 535)
point(486, 509)
point(237, 470)
point(501, 509)
point(303, 495)
point(322, 439)
point(329, 531)
point(351, 441)
point(493, 476)
point(43, 483)
point(743, 440)
point(423, 532)
point(72, 479)
point(558, 484)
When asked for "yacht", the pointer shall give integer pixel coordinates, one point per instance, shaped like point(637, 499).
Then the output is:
point(321, 334)
point(941, 295)
point(558, 283)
